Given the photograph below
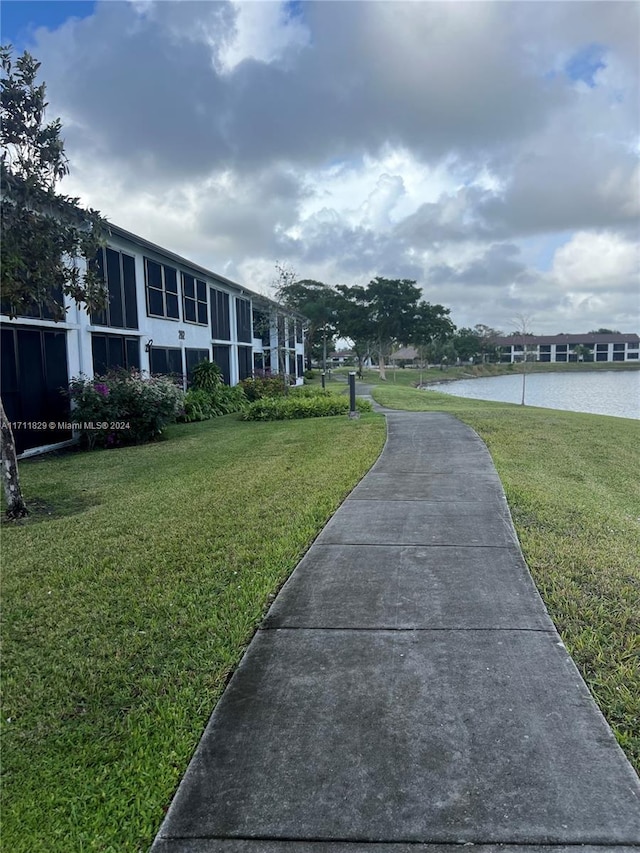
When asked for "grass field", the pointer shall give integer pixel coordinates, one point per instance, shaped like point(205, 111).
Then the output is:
point(572, 485)
point(129, 597)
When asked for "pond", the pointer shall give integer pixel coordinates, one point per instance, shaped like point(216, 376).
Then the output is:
point(602, 392)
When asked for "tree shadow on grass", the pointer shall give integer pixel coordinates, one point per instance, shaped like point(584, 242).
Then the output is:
point(46, 510)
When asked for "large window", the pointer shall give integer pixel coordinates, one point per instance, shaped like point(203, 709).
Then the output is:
point(162, 290)
point(194, 300)
point(110, 351)
point(166, 360)
point(245, 359)
point(220, 323)
point(243, 320)
point(34, 377)
point(35, 310)
point(222, 357)
point(118, 271)
point(261, 327)
point(194, 357)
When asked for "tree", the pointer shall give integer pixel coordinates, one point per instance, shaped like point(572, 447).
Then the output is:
point(488, 347)
point(44, 233)
point(431, 323)
point(317, 302)
point(467, 344)
point(524, 334)
point(393, 306)
point(354, 321)
point(583, 353)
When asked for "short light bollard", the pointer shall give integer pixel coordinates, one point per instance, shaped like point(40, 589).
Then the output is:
point(322, 379)
point(353, 412)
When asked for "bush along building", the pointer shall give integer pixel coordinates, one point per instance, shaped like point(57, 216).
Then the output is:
point(164, 315)
point(613, 347)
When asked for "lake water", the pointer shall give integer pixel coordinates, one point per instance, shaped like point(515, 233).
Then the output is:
point(602, 392)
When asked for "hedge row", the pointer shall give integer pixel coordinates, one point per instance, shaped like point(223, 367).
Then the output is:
point(295, 406)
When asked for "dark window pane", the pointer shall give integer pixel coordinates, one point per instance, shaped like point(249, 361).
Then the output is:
point(220, 326)
point(8, 364)
point(170, 280)
point(243, 320)
point(130, 303)
point(175, 361)
point(193, 357)
point(202, 313)
point(222, 359)
point(115, 313)
point(188, 286)
point(115, 352)
point(159, 362)
point(154, 275)
point(172, 305)
point(99, 318)
point(244, 362)
point(190, 311)
point(99, 351)
point(156, 306)
point(202, 291)
point(300, 365)
point(133, 353)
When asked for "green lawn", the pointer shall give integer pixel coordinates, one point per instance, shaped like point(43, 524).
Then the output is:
point(572, 485)
point(129, 597)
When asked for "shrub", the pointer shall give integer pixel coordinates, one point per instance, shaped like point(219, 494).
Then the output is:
point(200, 405)
point(257, 387)
point(297, 406)
point(123, 407)
point(206, 376)
point(307, 391)
point(197, 406)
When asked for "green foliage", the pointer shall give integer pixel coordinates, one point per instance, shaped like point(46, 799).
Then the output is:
point(206, 376)
point(200, 405)
point(41, 229)
point(123, 407)
point(296, 406)
point(154, 565)
point(257, 387)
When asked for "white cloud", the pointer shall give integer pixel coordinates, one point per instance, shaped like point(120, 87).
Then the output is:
point(597, 261)
point(421, 140)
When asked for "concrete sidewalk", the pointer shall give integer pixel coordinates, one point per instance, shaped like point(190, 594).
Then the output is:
point(407, 691)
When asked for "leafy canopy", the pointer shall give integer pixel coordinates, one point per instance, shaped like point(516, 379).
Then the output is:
point(43, 232)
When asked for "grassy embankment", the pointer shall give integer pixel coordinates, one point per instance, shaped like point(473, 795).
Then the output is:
point(129, 597)
point(572, 485)
point(413, 376)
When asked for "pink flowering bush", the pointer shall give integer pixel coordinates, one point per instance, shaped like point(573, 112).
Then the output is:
point(123, 407)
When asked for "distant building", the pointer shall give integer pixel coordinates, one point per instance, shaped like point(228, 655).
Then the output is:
point(405, 355)
point(165, 315)
point(570, 348)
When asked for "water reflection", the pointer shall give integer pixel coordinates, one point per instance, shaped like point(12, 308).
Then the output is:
point(605, 392)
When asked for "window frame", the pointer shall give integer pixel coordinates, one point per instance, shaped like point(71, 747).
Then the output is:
point(197, 302)
point(163, 290)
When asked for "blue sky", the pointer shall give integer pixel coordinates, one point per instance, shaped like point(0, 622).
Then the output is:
point(488, 150)
point(19, 18)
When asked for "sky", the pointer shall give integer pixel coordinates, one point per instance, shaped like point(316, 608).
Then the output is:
point(487, 150)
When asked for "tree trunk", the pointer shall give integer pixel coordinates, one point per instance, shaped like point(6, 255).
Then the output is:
point(16, 507)
point(383, 375)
